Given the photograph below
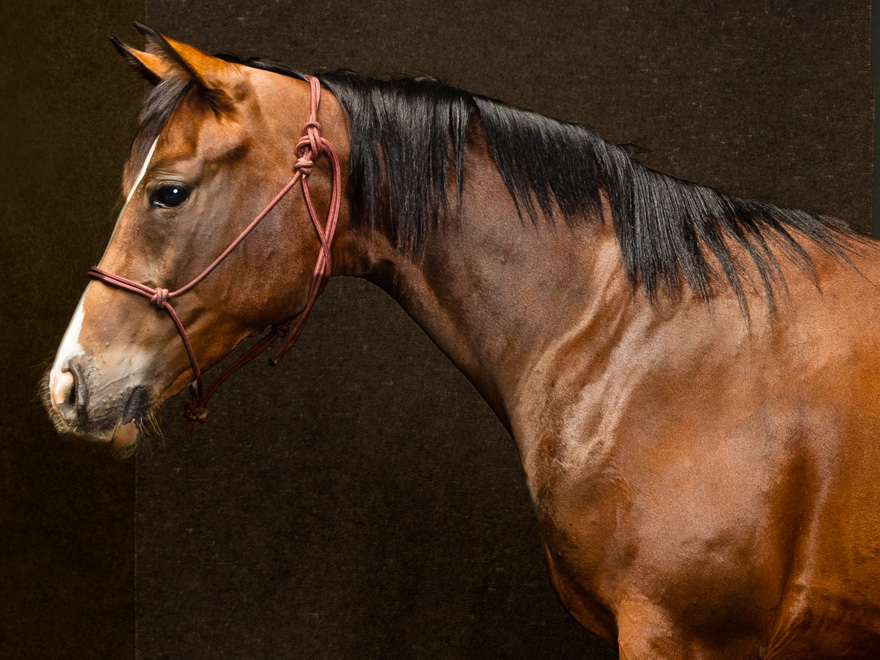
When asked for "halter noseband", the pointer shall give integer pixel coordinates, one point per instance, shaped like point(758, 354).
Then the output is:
point(311, 145)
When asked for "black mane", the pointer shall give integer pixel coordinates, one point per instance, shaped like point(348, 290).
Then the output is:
point(403, 131)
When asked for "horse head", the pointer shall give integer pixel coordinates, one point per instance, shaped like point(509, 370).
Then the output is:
point(216, 141)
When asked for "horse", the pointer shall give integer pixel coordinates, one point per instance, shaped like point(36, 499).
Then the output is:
point(691, 378)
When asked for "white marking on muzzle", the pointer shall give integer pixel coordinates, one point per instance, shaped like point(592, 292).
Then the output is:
point(70, 346)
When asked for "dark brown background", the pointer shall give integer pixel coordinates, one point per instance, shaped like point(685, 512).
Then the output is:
point(360, 500)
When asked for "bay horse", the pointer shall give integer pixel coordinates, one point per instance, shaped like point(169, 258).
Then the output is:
point(692, 378)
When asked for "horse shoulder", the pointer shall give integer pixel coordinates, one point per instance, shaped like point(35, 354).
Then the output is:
point(699, 454)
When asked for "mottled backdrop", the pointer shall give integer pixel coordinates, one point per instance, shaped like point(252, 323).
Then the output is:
point(359, 500)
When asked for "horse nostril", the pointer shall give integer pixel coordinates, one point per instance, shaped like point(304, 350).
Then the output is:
point(69, 393)
point(64, 393)
point(64, 390)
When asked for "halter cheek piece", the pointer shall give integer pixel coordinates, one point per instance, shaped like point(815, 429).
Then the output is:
point(311, 145)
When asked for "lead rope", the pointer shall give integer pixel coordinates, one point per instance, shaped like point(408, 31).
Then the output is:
point(310, 146)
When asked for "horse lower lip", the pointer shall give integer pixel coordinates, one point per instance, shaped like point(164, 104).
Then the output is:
point(137, 404)
point(124, 435)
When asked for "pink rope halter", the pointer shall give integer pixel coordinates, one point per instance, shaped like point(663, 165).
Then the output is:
point(311, 145)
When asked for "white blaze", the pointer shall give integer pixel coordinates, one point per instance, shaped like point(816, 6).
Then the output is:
point(70, 346)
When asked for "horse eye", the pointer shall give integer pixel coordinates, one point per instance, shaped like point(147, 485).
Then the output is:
point(166, 197)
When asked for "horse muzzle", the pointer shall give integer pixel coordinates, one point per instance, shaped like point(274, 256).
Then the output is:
point(80, 404)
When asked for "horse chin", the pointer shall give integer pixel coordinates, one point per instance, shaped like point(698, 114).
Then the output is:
point(121, 438)
point(89, 433)
point(125, 435)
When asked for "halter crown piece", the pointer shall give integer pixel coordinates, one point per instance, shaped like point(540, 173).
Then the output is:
point(310, 146)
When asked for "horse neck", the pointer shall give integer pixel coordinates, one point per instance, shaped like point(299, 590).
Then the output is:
point(497, 292)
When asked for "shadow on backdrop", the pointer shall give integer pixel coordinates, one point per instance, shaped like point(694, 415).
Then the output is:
point(66, 508)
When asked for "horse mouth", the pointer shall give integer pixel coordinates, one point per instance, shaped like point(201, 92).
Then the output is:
point(137, 406)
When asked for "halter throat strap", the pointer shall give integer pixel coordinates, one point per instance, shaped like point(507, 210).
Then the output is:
point(310, 146)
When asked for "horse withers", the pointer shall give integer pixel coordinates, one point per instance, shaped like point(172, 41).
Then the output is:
point(691, 378)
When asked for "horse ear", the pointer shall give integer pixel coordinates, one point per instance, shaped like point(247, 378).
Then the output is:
point(150, 66)
point(218, 80)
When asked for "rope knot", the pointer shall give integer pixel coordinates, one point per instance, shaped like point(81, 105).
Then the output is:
point(195, 414)
point(159, 297)
point(304, 165)
point(312, 130)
